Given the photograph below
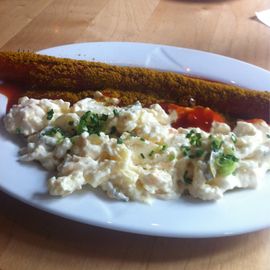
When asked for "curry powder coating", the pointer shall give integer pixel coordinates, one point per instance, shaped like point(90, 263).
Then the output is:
point(74, 77)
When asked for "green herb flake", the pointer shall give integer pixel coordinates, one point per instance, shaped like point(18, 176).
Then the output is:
point(216, 144)
point(163, 147)
point(142, 139)
point(142, 155)
point(196, 153)
point(115, 113)
point(226, 164)
point(18, 130)
point(120, 141)
point(53, 131)
point(92, 123)
point(191, 132)
point(50, 114)
point(185, 150)
point(199, 153)
point(194, 138)
point(187, 179)
point(233, 138)
point(104, 117)
point(151, 153)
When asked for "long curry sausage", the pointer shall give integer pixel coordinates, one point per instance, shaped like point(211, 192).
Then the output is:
point(39, 72)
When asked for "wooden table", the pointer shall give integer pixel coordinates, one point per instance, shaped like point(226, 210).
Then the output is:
point(31, 239)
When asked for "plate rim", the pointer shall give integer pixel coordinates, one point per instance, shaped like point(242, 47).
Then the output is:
point(43, 51)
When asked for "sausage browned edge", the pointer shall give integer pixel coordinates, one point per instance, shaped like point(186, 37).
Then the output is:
point(39, 72)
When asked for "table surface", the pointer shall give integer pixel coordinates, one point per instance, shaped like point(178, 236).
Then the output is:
point(31, 239)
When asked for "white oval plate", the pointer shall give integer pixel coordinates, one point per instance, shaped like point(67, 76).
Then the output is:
point(238, 212)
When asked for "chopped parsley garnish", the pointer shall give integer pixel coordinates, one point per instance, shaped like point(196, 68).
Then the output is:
point(163, 147)
point(142, 139)
point(53, 131)
point(104, 117)
point(185, 150)
point(192, 152)
point(119, 141)
point(93, 123)
point(194, 138)
point(158, 150)
point(187, 179)
point(142, 155)
point(216, 143)
point(197, 153)
point(226, 164)
point(233, 138)
point(50, 114)
point(115, 112)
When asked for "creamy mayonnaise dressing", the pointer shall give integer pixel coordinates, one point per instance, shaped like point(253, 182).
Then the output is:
point(133, 153)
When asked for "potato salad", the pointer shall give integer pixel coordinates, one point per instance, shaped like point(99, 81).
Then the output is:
point(135, 153)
